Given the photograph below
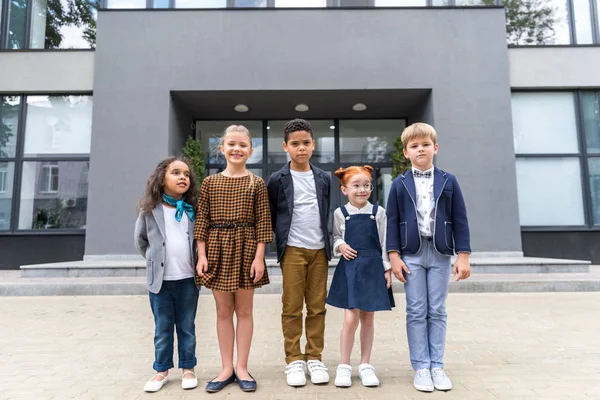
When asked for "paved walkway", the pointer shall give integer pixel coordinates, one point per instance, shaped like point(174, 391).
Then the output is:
point(500, 346)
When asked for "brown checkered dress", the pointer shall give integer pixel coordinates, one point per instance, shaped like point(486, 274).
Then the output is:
point(232, 217)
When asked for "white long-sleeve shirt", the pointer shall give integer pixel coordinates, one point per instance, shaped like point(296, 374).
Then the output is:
point(339, 229)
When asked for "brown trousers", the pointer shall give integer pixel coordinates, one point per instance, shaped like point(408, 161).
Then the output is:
point(304, 281)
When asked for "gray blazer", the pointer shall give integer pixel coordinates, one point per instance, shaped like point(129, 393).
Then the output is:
point(150, 242)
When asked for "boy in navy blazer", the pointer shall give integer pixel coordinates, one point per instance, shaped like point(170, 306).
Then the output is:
point(427, 224)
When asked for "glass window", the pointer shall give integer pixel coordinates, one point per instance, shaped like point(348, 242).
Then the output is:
point(470, 3)
point(322, 134)
point(591, 120)
point(561, 22)
point(160, 4)
point(400, 3)
point(17, 19)
point(249, 3)
point(7, 173)
point(58, 125)
point(64, 205)
point(594, 167)
point(368, 141)
point(384, 183)
point(583, 23)
point(540, 204)
point(9, 121)
point(300, 3)
point(125, 3)
point(544, 123)
point(210, 133)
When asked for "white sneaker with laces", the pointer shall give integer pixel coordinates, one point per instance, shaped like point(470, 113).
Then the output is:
point(440, 379)
point(296, 373)
point(422, 380)
point(317, 372)
point(155, 386)
point(366, 373)
point(343, 376)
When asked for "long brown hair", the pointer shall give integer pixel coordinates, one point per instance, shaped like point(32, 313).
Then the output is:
point(154, 186)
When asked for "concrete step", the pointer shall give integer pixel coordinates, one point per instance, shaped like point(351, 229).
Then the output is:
point(13, 284)
point(137, 268)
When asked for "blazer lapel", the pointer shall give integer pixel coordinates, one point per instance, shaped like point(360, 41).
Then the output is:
point(319, 188)
point(409, 182)
point(159, 216)
point(439, 181)
point(288, 188)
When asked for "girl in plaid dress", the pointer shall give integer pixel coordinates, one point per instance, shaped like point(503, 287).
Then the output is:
point(233, 226)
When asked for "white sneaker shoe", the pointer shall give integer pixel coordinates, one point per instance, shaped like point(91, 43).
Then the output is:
point(189, 383)
point(317, 372)
point(440, 379)
point(155, 386)
point(366, 373)
point(343, 376)
point(296, 373)
point(422, 380)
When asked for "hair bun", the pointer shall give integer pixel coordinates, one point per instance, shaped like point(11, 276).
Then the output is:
point(339, 173)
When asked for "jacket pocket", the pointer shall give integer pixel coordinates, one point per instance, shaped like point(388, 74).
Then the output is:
point(403, 235)
point(448, 236)
point(149, 272)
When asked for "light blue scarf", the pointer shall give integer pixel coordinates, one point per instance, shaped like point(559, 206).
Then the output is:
point(180, 207)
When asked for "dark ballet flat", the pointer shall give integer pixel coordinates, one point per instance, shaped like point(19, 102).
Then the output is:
point(247, 386)
point(217, 386)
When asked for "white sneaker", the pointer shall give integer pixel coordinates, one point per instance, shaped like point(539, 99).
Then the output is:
point(155, 386)
point(317, 372)
point(440, 379)
point(366, 373)
point(343, 376)
point(296, 373)
point(422, 380)
point(189, 383)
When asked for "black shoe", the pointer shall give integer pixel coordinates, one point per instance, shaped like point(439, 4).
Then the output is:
point(247, 386)
point(217, 386)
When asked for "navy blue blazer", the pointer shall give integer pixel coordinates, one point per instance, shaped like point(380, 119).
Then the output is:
point(281, 202)
point(451, 227)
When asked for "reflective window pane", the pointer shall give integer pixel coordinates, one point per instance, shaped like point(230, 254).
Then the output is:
point(591, 120)
point(544, 123)
point(7, 174)
point(540, 204)
point(250, 3)
point(54, 195)
point(322, 134)
point(400, 3)
point(368, 141)
point(9, 122)
point(583, 23)
point(210, 133)
point(470, 3)
point(17, 17)
point(125, 3)
point(384, 183)
point(160, 3)
point(561, 22)
point(594, 167)
point(200, 3)
point(58, 125)
point(300, 3)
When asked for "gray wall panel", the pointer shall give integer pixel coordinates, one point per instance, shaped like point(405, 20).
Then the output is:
point(460, 54)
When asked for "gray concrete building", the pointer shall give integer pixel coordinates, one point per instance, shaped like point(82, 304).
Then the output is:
point(519, 125)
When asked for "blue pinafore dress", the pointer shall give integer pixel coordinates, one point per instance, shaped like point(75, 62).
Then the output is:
point(359, 283)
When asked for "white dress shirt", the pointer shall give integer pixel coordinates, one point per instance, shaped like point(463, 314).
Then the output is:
point(425, 203)
point(339, 229)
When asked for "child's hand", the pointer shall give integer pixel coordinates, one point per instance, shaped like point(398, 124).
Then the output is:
point(257, 270)
point(388, 278)
point(202, 266)
point(462, 268)
point(398, 267)
point(348, 252)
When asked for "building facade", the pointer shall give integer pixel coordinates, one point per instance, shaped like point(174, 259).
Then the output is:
point(89, 108)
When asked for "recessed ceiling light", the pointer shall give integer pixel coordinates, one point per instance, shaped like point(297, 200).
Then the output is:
point(241, 108)
point(332, 127)
point(359, 107)
point(268, 127)
point(301, 107)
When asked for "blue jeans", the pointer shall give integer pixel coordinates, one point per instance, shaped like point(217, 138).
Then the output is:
point(426, 292)
point(175, 306)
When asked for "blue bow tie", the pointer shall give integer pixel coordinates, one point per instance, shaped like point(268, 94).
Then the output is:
point(419, 174)
point(180, 207)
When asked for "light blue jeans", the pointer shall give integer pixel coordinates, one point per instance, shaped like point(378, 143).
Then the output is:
point(426, 292)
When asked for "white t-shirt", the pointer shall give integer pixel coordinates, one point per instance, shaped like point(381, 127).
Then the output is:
point(178, 259)
point(305, 228)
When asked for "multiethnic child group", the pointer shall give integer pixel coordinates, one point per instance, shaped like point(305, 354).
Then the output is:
point(216, 237)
